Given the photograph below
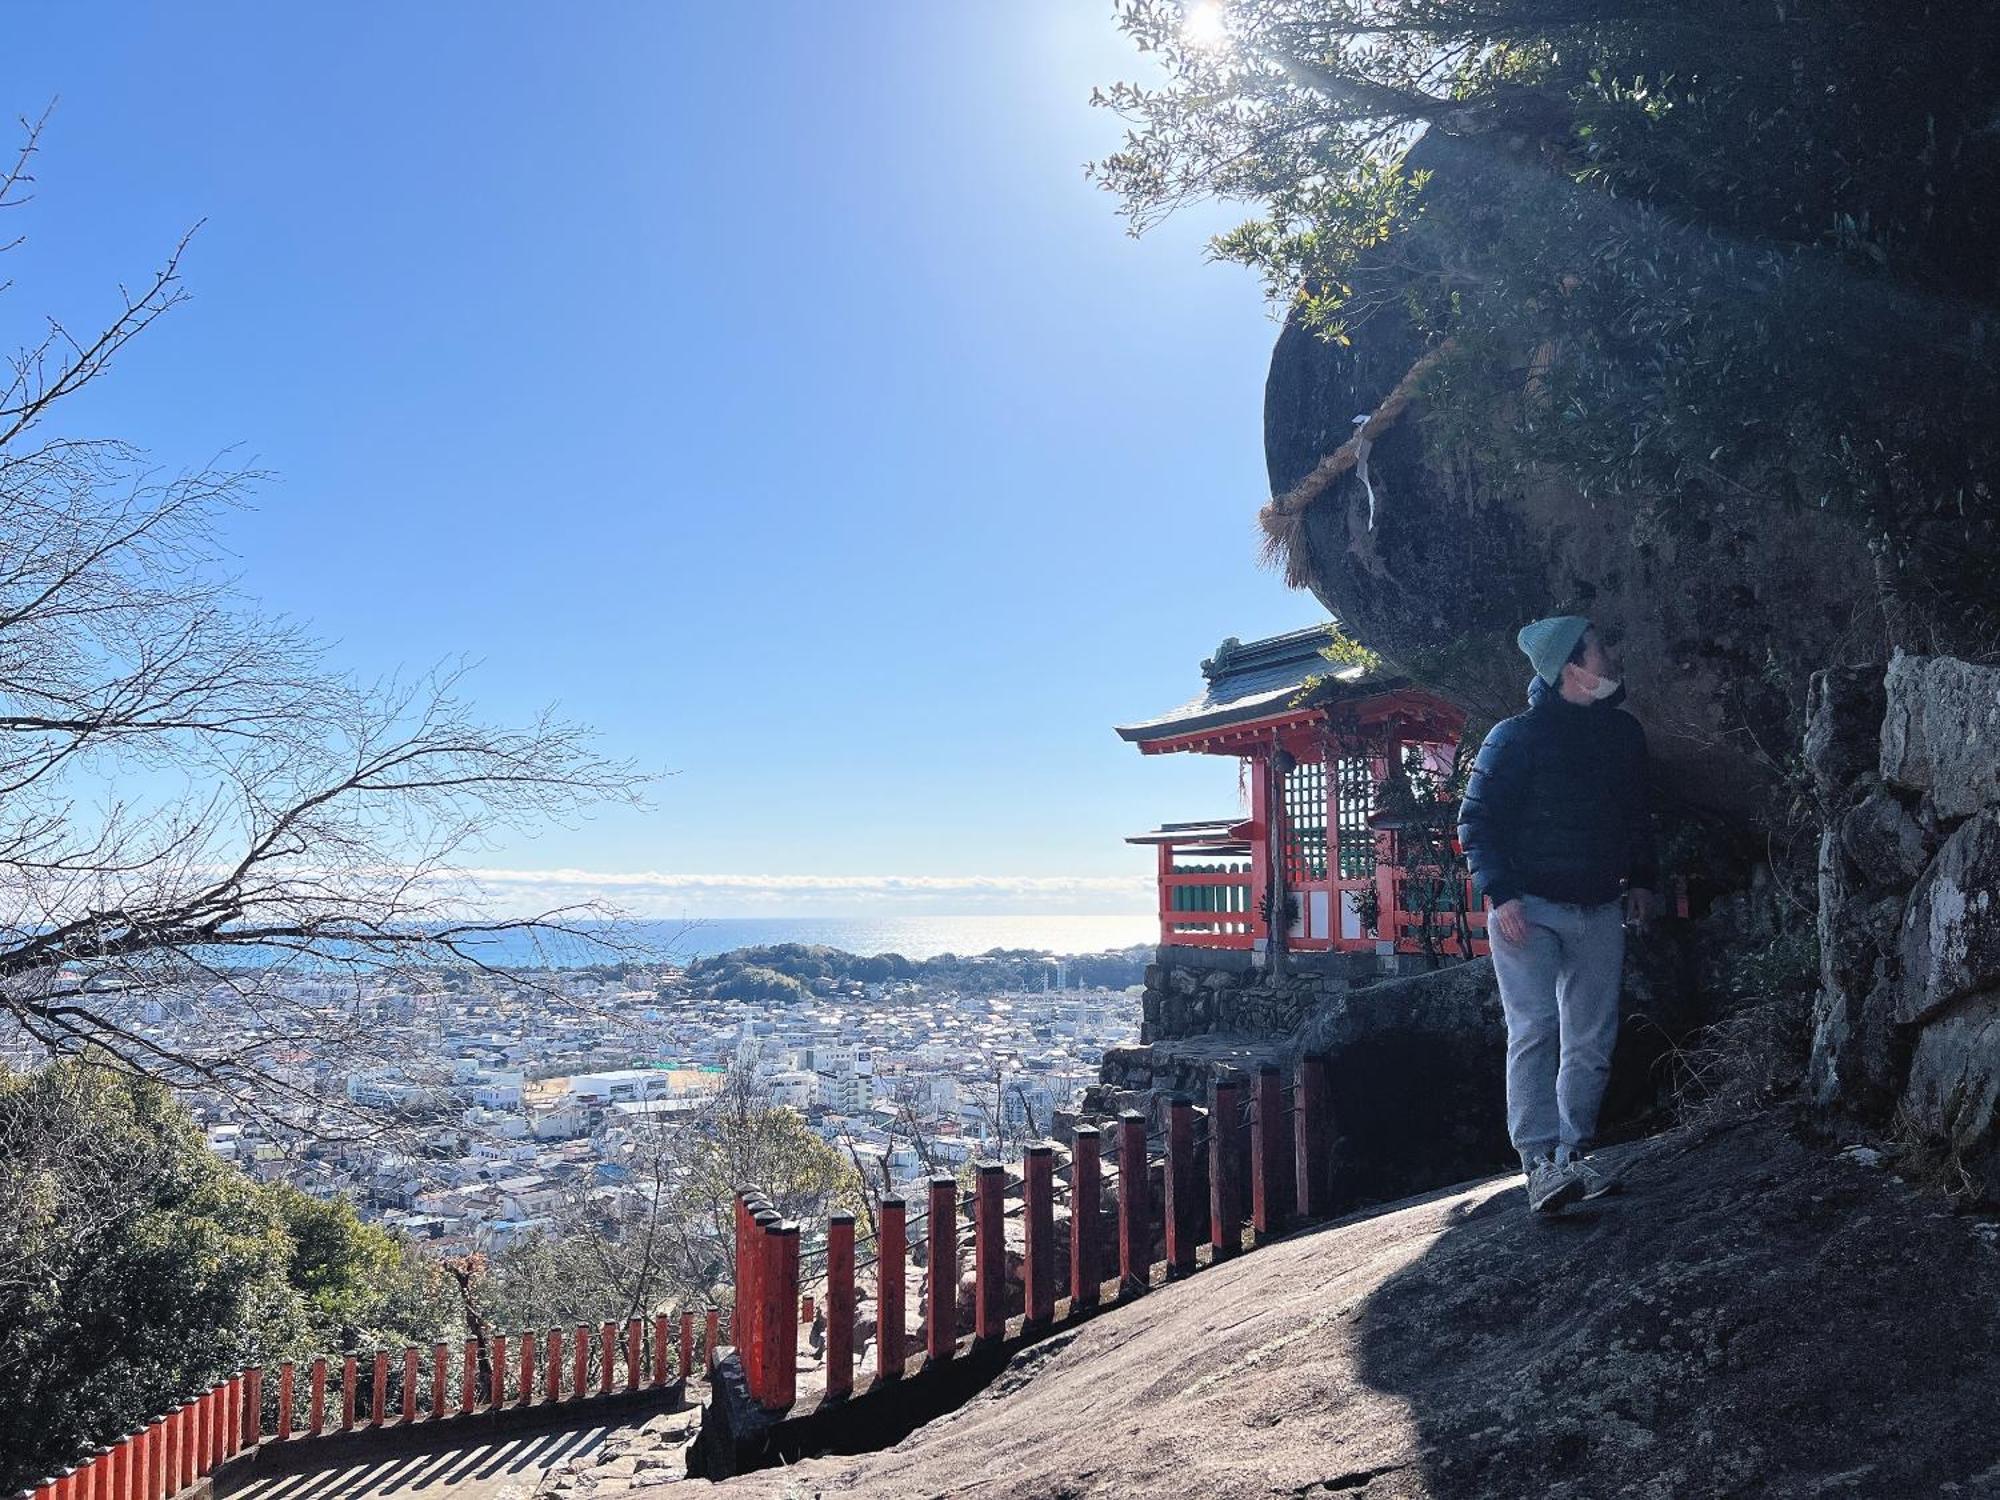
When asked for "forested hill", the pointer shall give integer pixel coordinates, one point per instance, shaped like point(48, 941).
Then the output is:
point(781, 968)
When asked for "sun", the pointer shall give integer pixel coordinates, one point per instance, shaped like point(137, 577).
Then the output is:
point(1204, 26)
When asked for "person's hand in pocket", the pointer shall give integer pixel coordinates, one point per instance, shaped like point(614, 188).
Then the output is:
point(1510, 922)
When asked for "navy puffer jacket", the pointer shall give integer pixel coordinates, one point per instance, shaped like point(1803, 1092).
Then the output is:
point(1557, 805)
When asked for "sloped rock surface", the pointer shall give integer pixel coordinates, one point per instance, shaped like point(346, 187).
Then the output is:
point(1752, 1318)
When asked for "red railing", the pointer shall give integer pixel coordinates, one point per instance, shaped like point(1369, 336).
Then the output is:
point(1270, 1165)
point(287, 1404)
point(1206, 898)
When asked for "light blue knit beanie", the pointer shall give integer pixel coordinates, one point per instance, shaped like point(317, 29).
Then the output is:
point(1549, 643)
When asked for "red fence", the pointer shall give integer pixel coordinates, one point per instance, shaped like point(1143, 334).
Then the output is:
point(288, 1404)
point(1270, 1164)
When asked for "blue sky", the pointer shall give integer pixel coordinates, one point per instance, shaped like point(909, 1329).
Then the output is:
point(763, 384)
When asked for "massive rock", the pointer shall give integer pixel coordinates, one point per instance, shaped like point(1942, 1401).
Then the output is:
point(1721, 619)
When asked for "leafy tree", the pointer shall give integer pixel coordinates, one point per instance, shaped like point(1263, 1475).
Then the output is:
point(670, 1238)
point(1689, 256)
point(137, 1267)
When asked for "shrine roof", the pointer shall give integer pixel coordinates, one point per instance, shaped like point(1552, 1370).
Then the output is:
point(1246, 681)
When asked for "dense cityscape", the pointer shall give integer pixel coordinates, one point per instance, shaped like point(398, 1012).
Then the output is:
point(523, 1102)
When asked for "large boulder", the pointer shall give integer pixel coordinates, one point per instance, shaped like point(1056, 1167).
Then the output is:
point(1721, 618)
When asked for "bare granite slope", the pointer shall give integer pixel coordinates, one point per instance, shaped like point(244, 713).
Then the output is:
point(1756, 1317)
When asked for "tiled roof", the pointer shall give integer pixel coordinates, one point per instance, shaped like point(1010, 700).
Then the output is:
point(1249, 680)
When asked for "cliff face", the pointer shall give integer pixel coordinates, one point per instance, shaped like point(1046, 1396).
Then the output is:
point(1750, 1319)
point(1721, 619)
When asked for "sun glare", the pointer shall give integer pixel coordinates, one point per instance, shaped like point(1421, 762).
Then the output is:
point(1203, 25)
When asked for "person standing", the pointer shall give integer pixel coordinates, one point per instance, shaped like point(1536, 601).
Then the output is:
point(1556, 825)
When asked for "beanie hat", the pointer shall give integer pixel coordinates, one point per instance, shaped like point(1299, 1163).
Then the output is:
point(1549, 643)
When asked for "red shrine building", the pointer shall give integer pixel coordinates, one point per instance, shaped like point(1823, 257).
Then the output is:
point(1316, 844)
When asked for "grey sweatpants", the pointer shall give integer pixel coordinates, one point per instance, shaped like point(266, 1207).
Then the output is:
point(1559, 990)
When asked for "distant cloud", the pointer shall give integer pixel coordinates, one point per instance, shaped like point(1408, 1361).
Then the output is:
point(656, 894)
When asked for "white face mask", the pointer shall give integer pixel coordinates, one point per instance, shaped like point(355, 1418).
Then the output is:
point(1606, 686)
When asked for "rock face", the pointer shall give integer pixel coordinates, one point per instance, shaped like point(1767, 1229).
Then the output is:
point(1906, 764)
point(1723, 616)
point(1751, 1318)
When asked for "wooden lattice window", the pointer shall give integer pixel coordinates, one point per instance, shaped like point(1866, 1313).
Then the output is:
point(1354, 793)
point(1305, 823)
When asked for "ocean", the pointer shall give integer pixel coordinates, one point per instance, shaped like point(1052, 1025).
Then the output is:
point(681, 942)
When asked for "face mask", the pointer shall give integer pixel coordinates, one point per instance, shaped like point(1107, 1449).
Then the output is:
point(1606, 686)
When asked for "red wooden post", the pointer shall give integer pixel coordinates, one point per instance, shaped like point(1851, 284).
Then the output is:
point(1224, 1218)
point(659, 1350)
point(318, 1413)
point(687, 1343)
point(1183, 1219)
point(154, 1465)
point(530, 1347)
point(1038, 1207)
point(749, 1247)
point(1135, 1212)
point(204, 1445)
point(607, 1354)
point(468, 1377)
point(760, 1318)
point(253, 1406)
point(713, 1333)
point(1311, 1151)
point(989, 1252)
point(579, 1379)
point(840, 1304)
point(285, 1401)
point(122, 1487)
point(552, 1381)
point(232, 1423)
point(225, 1413)
point(631, 1354)
point(893, 1232)
point(177, 1453)
point(410, 1361)
point(1085, 1200)
point(941, 1327)
point(440, 1381)
point(497, 1397)
point(378, 1407)
point(785, 1389)
point(1267, 1163)
point(198, 1415)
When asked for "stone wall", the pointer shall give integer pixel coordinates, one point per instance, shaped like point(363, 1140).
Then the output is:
point(1906, 765)
point(1187, 994)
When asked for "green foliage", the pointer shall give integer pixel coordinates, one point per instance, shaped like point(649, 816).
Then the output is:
point(753, 982)
point(136, 1266)
point(1711, 265)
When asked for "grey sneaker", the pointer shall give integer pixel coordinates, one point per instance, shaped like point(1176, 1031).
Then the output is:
point(1551, 1188)
point(1597, 1183)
